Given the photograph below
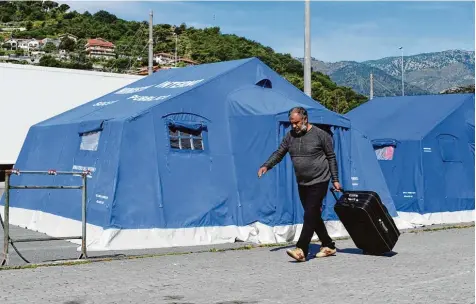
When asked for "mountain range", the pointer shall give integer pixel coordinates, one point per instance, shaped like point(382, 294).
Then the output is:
point(427, 73)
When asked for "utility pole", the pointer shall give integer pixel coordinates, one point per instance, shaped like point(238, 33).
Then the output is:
point(403, 85)
point(176, 38)
point(371, 86)
point(307, 47)
point(151, 42)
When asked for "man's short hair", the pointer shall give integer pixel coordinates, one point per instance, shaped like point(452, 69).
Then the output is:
point(300, 110)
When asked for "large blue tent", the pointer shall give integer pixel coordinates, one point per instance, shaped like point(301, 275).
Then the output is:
point(425, 146)
point(174, 160)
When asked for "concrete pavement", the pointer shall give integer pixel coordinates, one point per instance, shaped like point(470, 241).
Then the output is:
point(428, 267)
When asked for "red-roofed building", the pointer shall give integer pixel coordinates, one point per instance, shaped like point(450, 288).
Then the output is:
point(100, 48)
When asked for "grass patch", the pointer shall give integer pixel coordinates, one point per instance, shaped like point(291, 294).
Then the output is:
point(275, 245)
point(246, 247)
point(34, 266)
point(429, 229)
point(216, 250)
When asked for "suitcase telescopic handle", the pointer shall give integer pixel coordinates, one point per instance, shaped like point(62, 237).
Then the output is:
point(333, 191)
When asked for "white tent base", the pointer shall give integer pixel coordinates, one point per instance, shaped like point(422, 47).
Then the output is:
point(99, 239)
point(437, 218)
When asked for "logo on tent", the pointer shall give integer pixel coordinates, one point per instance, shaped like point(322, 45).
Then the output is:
point(426, 149)
point(102, 198)
point(132, 90)
point(148, 98)
point(177, 84)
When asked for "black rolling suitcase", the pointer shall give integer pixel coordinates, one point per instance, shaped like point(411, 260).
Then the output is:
point(367, 221)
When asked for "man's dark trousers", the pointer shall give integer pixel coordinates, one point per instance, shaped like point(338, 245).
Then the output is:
point(311, 199)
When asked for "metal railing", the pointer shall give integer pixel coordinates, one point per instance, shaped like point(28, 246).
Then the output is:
point(6, 229)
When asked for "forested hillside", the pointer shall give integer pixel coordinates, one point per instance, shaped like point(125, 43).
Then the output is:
point(48, 19)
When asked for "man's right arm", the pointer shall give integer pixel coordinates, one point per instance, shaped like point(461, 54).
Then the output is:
point(279, 154)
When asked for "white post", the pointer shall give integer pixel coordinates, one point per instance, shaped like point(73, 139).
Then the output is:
point(371, 86)
point(176, 38)
point(403, 85)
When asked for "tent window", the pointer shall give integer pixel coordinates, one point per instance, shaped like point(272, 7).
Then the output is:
point(182, 138)
point(265, 83)
point(448, 148)
point(385, 153)
point(90, 141)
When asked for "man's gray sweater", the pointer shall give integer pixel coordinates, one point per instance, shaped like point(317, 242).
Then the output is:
point(312, 155)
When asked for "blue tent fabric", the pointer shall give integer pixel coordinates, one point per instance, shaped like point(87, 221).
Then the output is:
point(470, 128)
point(366, 172)
point(360, 172)
point(180, 149)
point(430, 168)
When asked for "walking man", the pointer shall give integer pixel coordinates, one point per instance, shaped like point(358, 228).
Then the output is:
point(314, 161)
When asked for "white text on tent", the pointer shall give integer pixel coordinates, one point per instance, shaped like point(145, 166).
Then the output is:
point(178, 84)
point(104, 103)
point(132, 90)
point(147, 98)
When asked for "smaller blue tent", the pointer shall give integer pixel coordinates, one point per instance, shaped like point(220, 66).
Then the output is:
point(174, 160)
point(425, 146)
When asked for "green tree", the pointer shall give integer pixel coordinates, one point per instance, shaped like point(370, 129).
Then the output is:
point(67, 44)
point(7, 11)
point(49, 47)
point(49, 61)
point(63, 8)
point(104, 17)
point(49, 5)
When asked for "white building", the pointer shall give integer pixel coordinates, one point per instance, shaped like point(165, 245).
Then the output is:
point(31, 94)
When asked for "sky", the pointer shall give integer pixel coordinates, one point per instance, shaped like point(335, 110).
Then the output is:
point(353, 30)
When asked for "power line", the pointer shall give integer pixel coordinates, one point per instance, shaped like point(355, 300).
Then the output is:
point(393, 93)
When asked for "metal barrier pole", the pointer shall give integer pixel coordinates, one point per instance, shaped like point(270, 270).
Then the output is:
point(6, 231)
point(6, 228)
point(84, 201)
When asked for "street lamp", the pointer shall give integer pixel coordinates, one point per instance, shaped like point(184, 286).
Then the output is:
point(403, 85)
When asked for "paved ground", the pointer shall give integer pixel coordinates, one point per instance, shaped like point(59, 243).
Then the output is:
point(428, 267)
point(48, 251)
point(51, 251)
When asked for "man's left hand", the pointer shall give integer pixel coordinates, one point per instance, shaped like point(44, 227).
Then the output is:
point(337, 186)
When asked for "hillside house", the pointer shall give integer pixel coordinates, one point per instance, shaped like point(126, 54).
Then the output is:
point(72, 37)
point(24, 44)
point(169, 59)
point(43, 42)
point(100, 48)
